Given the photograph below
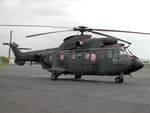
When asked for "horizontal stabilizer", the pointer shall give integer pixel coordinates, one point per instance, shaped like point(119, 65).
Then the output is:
point(14, 44)
point(11, 44)
point(6, 43)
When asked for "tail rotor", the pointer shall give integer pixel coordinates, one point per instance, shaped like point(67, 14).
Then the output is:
point(10, 43)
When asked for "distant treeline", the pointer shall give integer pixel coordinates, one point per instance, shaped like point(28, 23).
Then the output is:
point(4, 59)
point(146, 62)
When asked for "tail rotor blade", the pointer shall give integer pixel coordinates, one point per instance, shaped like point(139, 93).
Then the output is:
point(9, 53)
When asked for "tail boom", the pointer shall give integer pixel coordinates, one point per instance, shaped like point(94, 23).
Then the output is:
point(21, 57)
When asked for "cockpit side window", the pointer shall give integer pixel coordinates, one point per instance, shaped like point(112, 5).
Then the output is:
point(115, 53)
point(123, 52)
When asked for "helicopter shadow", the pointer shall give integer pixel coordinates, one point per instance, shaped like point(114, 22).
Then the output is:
point(82, 80)
point(88, 81)
point(85, 81)
point(100, 82)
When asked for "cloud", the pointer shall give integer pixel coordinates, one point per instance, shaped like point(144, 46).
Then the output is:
point(45, 7)
point(114, 14)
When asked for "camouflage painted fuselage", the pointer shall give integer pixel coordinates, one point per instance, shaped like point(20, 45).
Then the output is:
point(82, 55)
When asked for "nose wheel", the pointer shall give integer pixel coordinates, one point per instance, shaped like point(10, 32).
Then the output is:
point(119, 79)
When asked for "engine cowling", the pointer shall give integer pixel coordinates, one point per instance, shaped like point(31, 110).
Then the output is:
point(109, 41)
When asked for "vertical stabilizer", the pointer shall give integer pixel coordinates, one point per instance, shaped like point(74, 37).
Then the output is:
point(16, 50)
point(18, 54)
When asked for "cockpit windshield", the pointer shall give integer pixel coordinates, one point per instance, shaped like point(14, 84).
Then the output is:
point(125, 52)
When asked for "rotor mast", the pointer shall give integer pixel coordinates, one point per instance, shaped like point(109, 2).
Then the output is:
point(82, 29)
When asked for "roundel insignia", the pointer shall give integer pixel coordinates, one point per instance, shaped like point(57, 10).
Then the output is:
point(93, 57)
point(62, 57)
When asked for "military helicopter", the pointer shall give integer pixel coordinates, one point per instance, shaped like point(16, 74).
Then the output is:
point(83, 55)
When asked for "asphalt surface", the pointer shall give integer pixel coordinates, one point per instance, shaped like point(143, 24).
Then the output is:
point(28, 89)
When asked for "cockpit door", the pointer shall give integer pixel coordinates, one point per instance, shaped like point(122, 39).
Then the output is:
point(115, 57)
point(76, 62)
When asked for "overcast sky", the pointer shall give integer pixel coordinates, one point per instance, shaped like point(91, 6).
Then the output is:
point(133, 15)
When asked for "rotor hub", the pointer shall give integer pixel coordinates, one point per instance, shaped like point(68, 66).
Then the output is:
point(82, 29)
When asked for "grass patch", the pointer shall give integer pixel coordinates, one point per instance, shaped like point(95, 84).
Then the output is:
point(147, 66)
point(3, 64)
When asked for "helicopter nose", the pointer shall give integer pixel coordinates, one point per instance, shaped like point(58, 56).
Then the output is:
point(136, 64)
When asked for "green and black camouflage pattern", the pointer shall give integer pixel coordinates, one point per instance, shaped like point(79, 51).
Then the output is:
point(83, 55)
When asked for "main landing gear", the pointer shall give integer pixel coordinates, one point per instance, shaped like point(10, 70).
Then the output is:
point(78, 76)
point(119, 79)
point(54, 76)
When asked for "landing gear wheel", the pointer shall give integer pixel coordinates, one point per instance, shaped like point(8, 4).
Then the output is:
point(78, 76)
point(119, 80)
point(54, 77)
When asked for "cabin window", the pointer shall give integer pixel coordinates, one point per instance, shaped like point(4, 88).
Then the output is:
point(73, 56)
point(87, 56)
point(109, 54)
point(50, 58)
point(78, 56)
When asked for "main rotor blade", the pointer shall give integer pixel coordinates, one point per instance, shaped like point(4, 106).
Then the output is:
point(47, 33)
point(121, 31)
point(102, 34)
point(11, 25)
